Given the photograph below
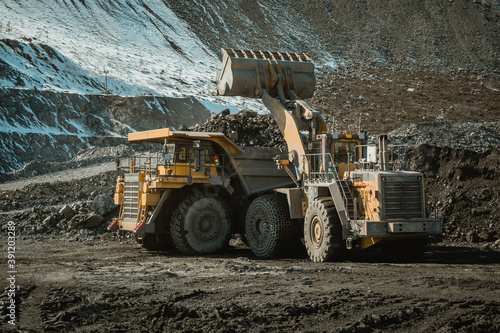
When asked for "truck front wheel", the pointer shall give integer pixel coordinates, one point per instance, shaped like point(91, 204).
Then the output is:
point(201, 223)
point(323, 231)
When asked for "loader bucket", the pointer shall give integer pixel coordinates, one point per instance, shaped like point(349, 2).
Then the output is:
point(245, 73)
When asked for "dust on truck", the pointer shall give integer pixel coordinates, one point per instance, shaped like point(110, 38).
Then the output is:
point(191, 193)
point(346, 195)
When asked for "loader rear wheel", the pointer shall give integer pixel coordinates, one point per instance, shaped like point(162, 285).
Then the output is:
point(268, 228)
point(201, 224)
point(323, 231)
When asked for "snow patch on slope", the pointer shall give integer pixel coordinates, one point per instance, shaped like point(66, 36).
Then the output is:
point(144, 48)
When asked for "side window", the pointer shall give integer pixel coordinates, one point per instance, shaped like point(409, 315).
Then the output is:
point(183, 154)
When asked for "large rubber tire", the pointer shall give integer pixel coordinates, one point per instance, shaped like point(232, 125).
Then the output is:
point(201, 223)
point(323, 231)
point(401, 250)
point(268, 228)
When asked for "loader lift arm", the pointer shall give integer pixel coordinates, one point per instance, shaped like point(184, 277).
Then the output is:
point(280, 79)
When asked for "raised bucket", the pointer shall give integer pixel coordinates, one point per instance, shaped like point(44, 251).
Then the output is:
point(244, 73)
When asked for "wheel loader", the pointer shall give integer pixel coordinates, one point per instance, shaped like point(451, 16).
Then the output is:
point(346, 195)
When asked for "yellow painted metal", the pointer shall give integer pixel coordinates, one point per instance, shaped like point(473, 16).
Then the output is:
point(159, 136)
point(118, 198)
point(127, 226)
point(367, 242)
point(246, 72)
point(369, 206)
point(119, 192)
point(150, 136)
point(150, 199)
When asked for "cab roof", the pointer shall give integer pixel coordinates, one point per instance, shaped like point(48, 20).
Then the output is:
point(159, 136)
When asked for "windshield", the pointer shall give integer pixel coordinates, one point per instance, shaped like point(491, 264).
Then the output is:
point(345, 150)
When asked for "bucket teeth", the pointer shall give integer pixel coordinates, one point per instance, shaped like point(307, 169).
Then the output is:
point(265, 55)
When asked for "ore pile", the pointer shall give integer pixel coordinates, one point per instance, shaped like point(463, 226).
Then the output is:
point(246, 128)
point(78, 207)
point(462, 189)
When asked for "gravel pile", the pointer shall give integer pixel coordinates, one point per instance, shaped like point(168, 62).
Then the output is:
point(469, 136)
point(68, 208)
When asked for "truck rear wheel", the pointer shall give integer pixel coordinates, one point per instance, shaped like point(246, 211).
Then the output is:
point(323, 231)
point(201, 224)
point(268, 227)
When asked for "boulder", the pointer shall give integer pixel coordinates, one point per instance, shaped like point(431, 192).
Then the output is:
point(91, 221)
point(67, 212)
point(102, 204)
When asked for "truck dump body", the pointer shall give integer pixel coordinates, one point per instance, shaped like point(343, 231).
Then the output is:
point(254, 166)
point(257, 170)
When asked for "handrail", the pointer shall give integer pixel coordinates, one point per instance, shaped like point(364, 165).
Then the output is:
point(149, 163)
point(322, 169)
point(397, 159)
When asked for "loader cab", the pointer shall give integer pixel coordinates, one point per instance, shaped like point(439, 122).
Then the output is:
point(346, 150)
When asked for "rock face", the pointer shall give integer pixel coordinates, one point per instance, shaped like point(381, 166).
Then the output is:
point(55, 126)
point(469, 136)
point(387, 33)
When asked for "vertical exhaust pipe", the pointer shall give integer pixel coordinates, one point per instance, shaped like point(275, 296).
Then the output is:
point(382, 154)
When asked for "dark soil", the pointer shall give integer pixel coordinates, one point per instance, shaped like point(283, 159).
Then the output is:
point(463, 189)
point(110, 284)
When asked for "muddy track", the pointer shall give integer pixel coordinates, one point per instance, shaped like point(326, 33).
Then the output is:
point(111, 284)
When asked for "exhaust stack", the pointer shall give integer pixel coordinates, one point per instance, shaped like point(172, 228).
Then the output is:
point(383, 155)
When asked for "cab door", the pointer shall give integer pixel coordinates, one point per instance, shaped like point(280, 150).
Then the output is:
point(345, 152)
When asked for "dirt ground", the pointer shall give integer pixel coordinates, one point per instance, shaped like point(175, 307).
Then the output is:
point(107, 283)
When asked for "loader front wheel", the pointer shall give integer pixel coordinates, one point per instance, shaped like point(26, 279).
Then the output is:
point(323, 231)
point(201, 223)
point(268, 228)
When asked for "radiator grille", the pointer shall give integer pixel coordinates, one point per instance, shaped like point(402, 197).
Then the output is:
point(131, 197)
point(402, 199)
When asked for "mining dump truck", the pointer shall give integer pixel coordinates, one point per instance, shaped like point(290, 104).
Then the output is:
point(193, 191)
point(347, 194)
